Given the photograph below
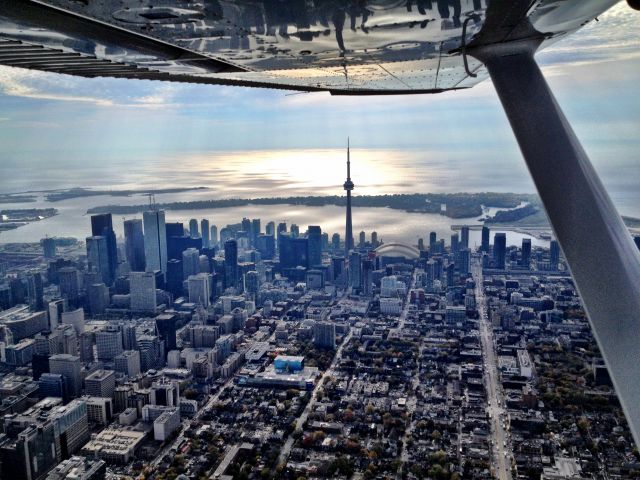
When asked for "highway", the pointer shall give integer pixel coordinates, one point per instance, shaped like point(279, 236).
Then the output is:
point(500, 449)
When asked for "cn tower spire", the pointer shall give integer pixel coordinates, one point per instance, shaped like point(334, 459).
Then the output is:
point(348, 161)
point(348, 186)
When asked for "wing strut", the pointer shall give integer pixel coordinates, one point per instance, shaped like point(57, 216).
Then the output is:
point(603, 259)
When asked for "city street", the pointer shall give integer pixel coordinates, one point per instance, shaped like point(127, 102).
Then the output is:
point(286, 449)
point(185, 425)
point(500, 448)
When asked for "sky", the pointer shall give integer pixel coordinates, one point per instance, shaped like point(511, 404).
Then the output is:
point(63, 125)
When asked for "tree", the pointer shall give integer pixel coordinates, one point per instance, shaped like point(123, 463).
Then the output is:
point(583, 425)
point(190, 394)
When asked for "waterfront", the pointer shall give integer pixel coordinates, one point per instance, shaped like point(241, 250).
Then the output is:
point(391, 225)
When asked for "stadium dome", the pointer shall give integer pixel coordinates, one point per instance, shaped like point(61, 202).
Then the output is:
point(397, 250)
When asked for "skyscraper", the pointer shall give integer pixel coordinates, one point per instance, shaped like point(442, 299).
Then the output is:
point(335, 242)
point(433, 242)
point(166, 324)
point(255, 230)
point(150, 350)
point(294, 252)
point(175, 232)
point(526, 252)
point(554, 253)
point(230, 264)
point(98, 257)
point(270, 228)
point(175, 277)
point(315, 245)
point(252, 284)
point(129, 336)
point(134, 244)
point(190, 263)
point(100, 383)
point(49, 247)
point(367, 278)
point(143, 291)
point(56, 307)
point(499, 250)
point(324, 335)
point(155, 240)
point(485, 239)
point(464, 257)
point(109, 343)
point(246, 226)
point(69, 367)
point(266, 245)
point(35, 291)
point(102, 225)
point(348, 187)
point(200, 289)
point(128, 362)
point(324, 243)
point(98, 296)
point(204, 229)
point(282, 228)
point(464, 237)
point(213, 239)
point(455, 246)
point(193, 228)
point(355, 270)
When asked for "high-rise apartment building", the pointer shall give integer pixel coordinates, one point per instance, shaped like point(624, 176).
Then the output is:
point(324, 335)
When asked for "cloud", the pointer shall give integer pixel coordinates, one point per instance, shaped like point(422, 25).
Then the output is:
point(27, 83)
point(613, 38)
point(101, 92)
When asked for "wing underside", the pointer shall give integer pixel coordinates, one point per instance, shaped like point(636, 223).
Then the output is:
point(363, 47)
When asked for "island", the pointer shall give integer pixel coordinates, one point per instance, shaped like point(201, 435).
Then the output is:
point(14, 218)
point(58, 196)
point(452, 205)
point(16, 198)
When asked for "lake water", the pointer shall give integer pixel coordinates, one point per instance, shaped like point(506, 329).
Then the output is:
point(391, 225)
point(278, 173)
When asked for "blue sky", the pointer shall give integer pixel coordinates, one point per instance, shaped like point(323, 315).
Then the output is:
point(62, 122)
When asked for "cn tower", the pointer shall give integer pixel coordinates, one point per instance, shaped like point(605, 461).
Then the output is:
point(348, 186)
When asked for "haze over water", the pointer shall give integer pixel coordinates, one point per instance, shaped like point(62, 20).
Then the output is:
point(272, 173)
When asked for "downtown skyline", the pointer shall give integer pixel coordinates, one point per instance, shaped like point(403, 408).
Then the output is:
point(189, 287)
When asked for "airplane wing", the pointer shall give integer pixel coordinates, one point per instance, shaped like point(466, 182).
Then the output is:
point(355, 47)
point(377, 47)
